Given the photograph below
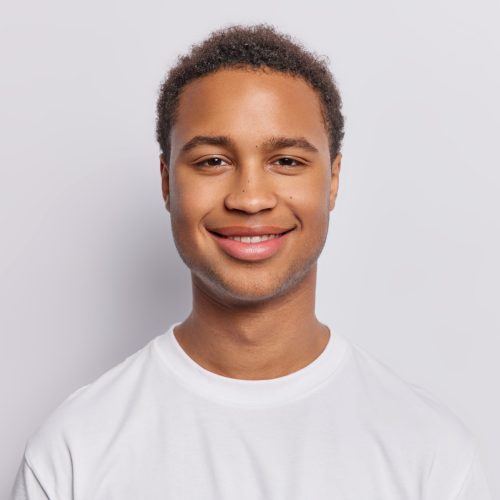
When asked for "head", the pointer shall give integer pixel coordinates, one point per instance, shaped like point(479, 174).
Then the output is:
point(250, 129)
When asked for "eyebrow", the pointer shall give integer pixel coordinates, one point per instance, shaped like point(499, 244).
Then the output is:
point(270, 144)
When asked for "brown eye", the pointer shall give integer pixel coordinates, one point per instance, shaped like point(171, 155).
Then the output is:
point(289, 162)
point(210, 162)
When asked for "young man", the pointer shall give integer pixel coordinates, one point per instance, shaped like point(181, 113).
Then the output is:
point(251, 397)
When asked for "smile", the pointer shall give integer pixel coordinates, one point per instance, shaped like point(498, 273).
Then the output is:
point(251, 248)
point(253, 239)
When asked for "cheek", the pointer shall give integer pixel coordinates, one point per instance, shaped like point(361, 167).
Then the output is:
point(191, 200)
point(309, 199)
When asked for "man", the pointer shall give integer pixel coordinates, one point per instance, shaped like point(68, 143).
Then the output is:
point(251, 397)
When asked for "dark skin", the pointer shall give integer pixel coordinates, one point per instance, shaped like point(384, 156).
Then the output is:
point(251, 319)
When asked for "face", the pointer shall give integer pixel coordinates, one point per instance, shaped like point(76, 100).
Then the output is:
point(249, 156)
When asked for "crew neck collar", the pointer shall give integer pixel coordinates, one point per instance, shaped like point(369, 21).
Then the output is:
point(251, 393)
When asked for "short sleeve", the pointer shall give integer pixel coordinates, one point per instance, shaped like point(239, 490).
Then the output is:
point(27, 485)
point(475, 485)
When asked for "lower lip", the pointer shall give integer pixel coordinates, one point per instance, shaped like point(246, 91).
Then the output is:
point(251, 251)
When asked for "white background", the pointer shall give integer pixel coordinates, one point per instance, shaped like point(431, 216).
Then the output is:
point(88, 269)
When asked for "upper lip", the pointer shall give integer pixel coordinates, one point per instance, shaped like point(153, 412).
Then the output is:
point(249, 230)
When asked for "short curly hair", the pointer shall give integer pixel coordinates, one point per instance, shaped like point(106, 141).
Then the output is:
point(255, 46)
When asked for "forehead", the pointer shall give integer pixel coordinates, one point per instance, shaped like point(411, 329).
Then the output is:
point(249, 103)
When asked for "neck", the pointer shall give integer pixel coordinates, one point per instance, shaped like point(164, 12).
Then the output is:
point(258, 341)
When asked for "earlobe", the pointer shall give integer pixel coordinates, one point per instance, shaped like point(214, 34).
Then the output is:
point(165, 188)
point(334, 186)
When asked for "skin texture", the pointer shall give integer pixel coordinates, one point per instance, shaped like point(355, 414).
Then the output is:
point(250, 320)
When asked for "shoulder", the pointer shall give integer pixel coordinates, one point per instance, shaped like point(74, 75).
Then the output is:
point(413, 424)
point(87, 413)
point(420, 419)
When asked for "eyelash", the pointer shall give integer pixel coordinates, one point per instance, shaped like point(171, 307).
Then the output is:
point(203, 163)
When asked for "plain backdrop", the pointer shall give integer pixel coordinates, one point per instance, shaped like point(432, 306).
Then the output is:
point(88, 269)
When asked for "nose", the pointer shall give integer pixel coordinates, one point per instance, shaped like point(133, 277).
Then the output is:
point(251, 190)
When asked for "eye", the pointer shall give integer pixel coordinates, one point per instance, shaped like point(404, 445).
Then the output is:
point(210, 162)
point(289, 162)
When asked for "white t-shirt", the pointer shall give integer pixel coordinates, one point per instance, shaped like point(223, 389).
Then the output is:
point(159, 426)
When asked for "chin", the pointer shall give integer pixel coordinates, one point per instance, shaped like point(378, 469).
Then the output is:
point(252, 294)
point(240, 290)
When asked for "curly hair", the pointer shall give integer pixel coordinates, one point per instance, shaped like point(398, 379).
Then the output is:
point(256, 46)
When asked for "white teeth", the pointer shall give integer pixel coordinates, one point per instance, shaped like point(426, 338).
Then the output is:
point(253, 239)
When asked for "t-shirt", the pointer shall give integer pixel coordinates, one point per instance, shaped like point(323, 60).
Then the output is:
point(159, 426)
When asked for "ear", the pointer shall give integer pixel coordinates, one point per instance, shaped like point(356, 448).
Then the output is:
point(334, 186)
point(164, 172)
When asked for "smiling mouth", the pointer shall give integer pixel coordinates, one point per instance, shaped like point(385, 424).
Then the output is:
point(252, 239)
point(251, 244)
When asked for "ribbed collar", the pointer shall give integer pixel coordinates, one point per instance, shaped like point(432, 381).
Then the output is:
point(251, 393)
